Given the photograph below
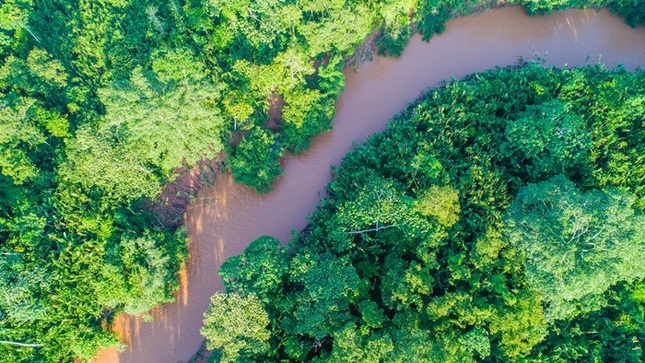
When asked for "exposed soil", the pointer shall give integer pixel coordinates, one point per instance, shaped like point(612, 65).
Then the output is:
point(276, 104)
point(177, 195)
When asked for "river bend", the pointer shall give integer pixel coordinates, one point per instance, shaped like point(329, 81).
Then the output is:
point(225, 218)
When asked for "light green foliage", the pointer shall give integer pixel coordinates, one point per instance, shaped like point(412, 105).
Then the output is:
point(334, 25)
point(155, 122)
point(352, 346)
point(120, 171)
point(19, 136)
point(441, 203)
point(136, 275)
point(14, 15)
point(261, 22)
point(477, 340)
point(236, 324)
point(290, 68)
point(522, 325)
point(576, 244)
point(170, 119)
point(378, 206)
point(20, 293)
point(49, 70)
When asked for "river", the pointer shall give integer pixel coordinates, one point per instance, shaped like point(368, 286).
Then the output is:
point(226, 217)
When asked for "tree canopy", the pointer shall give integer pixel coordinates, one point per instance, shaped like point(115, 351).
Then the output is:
point(102, 102)
point(488, 223)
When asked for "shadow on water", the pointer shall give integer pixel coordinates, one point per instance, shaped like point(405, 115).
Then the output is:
point(225, 218)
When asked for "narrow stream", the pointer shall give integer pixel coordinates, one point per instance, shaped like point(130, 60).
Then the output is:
point(225, 218)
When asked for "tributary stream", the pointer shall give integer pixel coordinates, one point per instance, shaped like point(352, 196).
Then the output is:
point(226, 217)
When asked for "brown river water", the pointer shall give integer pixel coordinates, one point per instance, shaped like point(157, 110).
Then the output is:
point(226, 217)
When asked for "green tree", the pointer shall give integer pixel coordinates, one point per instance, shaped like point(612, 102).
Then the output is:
point(547, 139)
point(254, 161)
point(236, 325)
point(136, 274)
point(441, 203)
point(259, 270)
point(322, 304)
point(20, 139)
point(306, 113)
point(155, 123)
point(577, 245)
point(22, 288)
point(118, 169)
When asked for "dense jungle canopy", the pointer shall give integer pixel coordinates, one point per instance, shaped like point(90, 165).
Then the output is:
point(101, 102)
point(497, 219)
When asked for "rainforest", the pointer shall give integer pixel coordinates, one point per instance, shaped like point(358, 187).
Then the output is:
point(499, 217)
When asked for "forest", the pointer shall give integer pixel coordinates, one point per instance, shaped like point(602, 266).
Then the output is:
point(102, 102)
point(498, 219)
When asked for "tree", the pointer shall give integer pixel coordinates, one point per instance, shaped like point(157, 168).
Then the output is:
point(21, 288)
point(20, 137)
point(418, 253)
point(155, 122)
point(576, 245)
point(254, 161)
point(259, 270)
point(118, 169)
point(441, 203)
point(14, 16)
point(547, 139)
point(306, 113)
point(322, 303)
point(236, 325)
point(352, 346)
point(334, 25)
point(136, 274)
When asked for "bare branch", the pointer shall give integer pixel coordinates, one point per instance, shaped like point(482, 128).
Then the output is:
point(376, 229)
point(20, 344)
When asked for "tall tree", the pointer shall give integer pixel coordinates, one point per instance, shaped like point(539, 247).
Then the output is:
point(236, 325)
point(576, 244)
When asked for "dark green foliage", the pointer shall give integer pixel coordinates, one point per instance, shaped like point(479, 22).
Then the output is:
point(430, 245)
point(392, 43)
point(259, 270)
point(632, 10)
point(546, 138)
point(255, 160)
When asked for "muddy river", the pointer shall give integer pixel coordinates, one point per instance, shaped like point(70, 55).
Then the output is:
point(226, 217)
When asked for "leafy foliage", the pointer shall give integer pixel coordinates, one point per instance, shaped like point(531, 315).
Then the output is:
point(255, 160)
point(236, 325)
point(102, 101)
point(499, 232)
point(576, 245)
